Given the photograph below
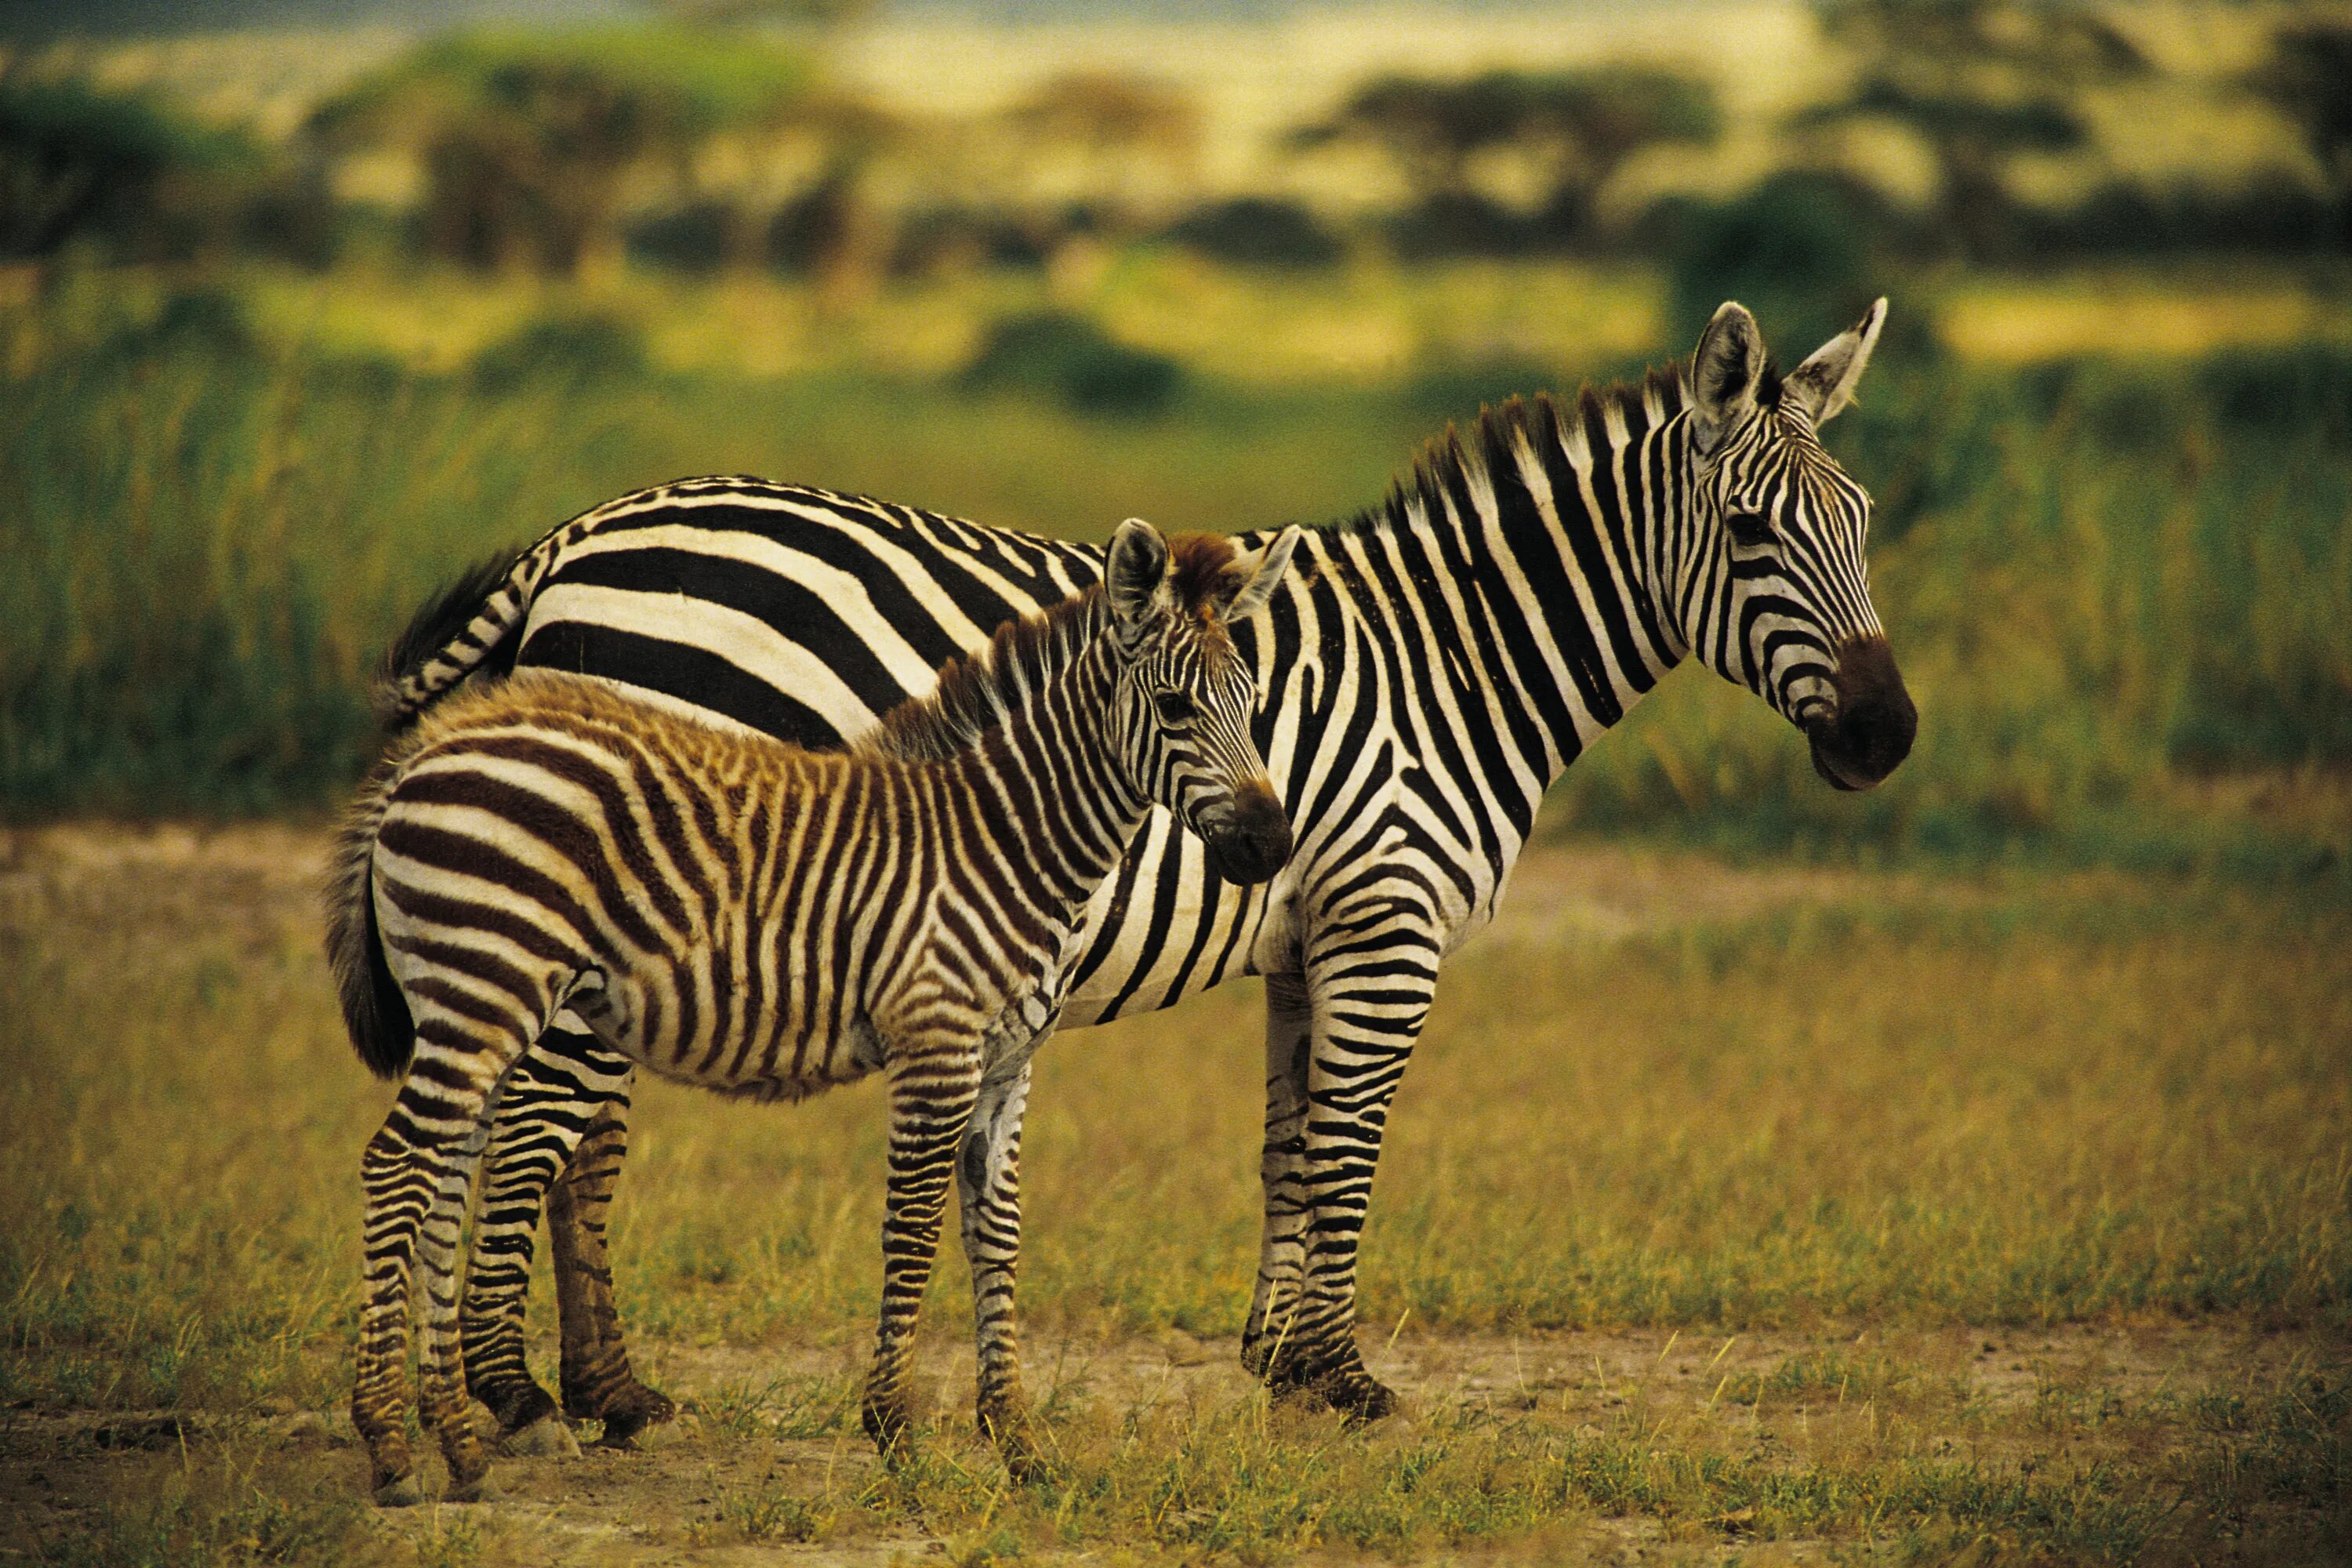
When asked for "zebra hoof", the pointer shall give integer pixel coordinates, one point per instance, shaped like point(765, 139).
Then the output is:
point(637, 1418)
point(545, 1438)
point(480, 1489)
point(402, 1492)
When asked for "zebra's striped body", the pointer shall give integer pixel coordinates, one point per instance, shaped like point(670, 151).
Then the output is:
point(759, 918)
point(1428, 669)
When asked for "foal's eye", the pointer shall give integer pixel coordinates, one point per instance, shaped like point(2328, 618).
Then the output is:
point(1174, 707)
point(1749, 531)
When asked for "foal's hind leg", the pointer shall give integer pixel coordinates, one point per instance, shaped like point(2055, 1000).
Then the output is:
point(414, 1172)
point(563, 1085)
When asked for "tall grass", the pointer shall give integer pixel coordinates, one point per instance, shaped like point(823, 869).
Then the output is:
point(2104, 581)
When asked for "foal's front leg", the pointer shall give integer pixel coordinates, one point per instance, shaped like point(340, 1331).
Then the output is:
point(933, 1085)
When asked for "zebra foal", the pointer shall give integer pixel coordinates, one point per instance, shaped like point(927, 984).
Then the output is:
point(737, 912)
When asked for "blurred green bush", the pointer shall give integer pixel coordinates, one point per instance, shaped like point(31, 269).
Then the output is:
point(1060, 354)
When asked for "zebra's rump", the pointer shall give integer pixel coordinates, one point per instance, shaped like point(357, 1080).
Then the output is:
point(796, 612)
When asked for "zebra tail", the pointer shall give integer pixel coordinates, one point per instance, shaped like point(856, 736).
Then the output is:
point(467, 626)
point(375, 1013)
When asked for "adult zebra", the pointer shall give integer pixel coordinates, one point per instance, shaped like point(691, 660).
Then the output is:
point(1427, 669)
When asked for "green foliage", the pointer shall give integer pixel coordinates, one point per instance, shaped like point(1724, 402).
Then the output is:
point(1579, 128)
point(77, 162)
point(1058, 354)
point(684, 81)
point(1258, 231)
point(2309, 75)
point(1979, 83)
point(1797, 250)
point(527, 139)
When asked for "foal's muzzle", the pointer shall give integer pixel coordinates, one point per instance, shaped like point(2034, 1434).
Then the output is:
point(1871, 732)
point(1252, 841)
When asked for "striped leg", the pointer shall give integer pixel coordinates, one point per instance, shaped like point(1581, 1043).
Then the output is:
point(597, 1380)
point(444, 1407)
point(543, 1110)
point(932, 1091)
point(988, 1178)
point(1281, 1253)
point(1369, 1007)
point(415, 1172)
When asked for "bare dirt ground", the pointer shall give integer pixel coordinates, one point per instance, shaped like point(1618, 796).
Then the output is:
point(677, 1499)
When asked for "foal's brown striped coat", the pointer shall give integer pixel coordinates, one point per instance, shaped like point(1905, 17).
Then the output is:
point(761, 919)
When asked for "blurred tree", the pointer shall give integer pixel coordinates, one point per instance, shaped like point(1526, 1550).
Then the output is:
point(1114, 134)
point(2309, 77)
point(528, 141)
point(1577, 128)
point(818, 14)
point(1979, 83)
point(77, 162)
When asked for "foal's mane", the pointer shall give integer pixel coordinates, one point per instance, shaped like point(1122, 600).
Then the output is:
point(988, 685)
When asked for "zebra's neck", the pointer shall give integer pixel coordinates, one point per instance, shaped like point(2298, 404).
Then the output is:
point(1527, 561)
point(1047, 790)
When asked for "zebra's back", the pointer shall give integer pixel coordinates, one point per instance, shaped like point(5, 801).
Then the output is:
point(723, 908)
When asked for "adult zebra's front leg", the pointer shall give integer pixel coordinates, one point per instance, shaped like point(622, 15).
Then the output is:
point(988, 1179)
point(1266, 1338)
point(934, 1086)
point(1370, 976)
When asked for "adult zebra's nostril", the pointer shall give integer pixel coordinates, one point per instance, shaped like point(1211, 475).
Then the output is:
point(1875, 722)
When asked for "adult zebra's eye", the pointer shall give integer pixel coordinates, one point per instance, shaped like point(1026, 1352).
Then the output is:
point(1749, 531)
point(1174, 707)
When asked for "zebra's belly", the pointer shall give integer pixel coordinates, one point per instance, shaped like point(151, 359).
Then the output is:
point(760, 1057)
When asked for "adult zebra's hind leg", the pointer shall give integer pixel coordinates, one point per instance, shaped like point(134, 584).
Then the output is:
point(598, 1383)
point(934, 1086)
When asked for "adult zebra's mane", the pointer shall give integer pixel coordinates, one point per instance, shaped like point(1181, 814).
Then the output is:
point(988, 685)
point(1545, 422)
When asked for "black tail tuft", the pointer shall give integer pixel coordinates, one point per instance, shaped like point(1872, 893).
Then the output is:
point(447, 617)
point(375, 1013)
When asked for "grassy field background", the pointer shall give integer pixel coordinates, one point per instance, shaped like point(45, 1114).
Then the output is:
point(1958, 1172)
point(2111, 581)
point(1907, 1214)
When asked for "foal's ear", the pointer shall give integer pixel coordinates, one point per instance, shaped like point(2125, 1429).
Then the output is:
point(1824, 385)
point(1136, 582)
point(1263, 568)
point(1725, 372)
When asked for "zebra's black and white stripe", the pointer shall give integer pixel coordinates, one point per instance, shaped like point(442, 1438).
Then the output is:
point(759, 918)
point(1430, 667)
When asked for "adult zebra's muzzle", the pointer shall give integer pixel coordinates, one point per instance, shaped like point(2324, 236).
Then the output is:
point(1872, 730)
point(1251, 842)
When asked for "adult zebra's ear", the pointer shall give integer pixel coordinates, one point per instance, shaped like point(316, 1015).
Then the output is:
point(1824, 385)
point(1263, 568)
point(1724, 374)
point(1136, 581)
